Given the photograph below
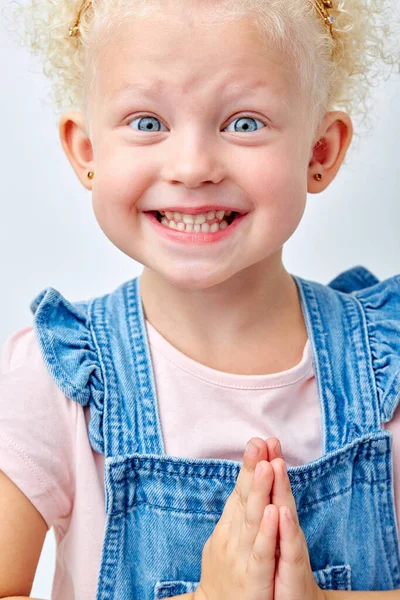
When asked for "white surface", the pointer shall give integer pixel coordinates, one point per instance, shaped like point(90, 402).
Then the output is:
point(49, 236)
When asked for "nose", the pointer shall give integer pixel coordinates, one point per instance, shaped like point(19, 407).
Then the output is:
point(193, 160)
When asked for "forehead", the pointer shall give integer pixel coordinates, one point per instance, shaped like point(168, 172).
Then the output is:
point(154, 56)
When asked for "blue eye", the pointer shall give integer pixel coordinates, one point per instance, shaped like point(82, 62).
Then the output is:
point(246, 124)
point(150, 124)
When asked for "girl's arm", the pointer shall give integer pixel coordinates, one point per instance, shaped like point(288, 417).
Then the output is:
point(22, 533)
point(392, 595)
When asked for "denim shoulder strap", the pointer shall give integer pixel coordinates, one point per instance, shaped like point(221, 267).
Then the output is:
point(381, 307)
point(98, 354)
point(355, 340)
point(341, 352)
point(131, 421)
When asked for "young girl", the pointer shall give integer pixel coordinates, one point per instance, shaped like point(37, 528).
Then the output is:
point(199, 128)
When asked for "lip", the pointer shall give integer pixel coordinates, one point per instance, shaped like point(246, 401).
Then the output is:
point(199, 210)
point(193, 238)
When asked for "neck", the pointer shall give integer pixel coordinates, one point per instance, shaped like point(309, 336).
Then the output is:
point(257, 308)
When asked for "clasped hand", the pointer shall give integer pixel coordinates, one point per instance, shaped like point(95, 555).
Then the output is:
point(257, 550)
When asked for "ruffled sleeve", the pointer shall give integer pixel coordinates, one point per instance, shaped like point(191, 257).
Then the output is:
point(65, 339)
point(381, 304)
point(356, 278)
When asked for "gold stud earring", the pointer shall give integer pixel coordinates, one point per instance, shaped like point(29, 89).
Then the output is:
point(318, 176)
point(90, 174)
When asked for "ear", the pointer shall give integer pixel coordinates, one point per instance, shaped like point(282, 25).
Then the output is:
point(328, 153)
point(77, 145)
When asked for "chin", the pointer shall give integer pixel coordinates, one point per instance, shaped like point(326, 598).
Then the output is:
point(194, 278)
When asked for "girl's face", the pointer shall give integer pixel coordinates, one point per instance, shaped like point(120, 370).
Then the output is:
point(197, 117)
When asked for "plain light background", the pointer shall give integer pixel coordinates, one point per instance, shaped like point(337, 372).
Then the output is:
point(49, 236)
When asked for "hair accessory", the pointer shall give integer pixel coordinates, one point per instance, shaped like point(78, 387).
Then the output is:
point(74, 30)
point(323, 8)
point(90, 174)
point(318, 176)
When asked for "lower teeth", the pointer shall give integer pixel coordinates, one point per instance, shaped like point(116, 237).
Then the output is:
point(196, 228)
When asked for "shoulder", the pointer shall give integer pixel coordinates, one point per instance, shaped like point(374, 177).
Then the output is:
point(26, 386)
point(381, 306)
point(38, 427)
point(19, 349)
point(351, 280)
point(379, 302)
point(65, 338)
point(72, 338)
point(21, 360)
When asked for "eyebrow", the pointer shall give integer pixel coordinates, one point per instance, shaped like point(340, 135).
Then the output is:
point(229, 91)
point(132, 88)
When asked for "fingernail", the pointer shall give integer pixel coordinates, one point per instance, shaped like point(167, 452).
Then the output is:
point(267, 512)
point(278, 448)
point(251, 449)
point(259, 469)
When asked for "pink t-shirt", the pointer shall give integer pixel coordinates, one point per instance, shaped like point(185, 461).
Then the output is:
point(45, 450)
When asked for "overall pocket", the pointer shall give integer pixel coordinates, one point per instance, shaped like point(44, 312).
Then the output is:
point(168, 589)
point(337, 577)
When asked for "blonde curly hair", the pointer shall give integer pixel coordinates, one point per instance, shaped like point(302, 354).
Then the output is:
point(337, 71)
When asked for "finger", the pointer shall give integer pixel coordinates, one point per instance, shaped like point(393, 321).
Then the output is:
point(281, 489)
point(274, 448)
point(259, 498)
point(242, 489)
point(243, 482)
point(261, 563)
point(292, 565)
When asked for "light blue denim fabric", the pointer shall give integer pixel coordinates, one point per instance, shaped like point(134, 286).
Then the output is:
point(161, 509)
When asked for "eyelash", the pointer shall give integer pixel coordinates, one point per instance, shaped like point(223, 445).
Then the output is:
point(243, 116)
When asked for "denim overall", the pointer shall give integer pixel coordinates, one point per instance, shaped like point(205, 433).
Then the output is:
point(161, 509)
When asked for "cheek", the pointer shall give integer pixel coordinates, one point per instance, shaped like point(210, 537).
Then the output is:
point(278, 188)
point(277, 180)
point(114, 202)
point(125, 174)
point(288, 202)
point(117, 190)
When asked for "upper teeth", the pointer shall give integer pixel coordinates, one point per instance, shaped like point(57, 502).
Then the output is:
point(196, 219)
